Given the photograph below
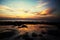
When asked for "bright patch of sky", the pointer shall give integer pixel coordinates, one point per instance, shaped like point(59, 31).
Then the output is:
point(22, 4)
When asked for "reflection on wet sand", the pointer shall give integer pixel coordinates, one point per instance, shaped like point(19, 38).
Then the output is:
point(31, 29)
point(37, 28)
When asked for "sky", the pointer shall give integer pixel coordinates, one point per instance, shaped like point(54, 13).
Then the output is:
point(29, 8)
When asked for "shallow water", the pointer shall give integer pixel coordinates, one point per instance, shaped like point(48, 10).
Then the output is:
point(30, 28)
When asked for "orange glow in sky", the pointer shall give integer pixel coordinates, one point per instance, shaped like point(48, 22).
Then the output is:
point(21, 13)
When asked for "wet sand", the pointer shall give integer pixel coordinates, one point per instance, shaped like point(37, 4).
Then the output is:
point(30, 29)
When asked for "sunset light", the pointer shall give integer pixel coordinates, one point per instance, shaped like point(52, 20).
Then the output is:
point(25, 9)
